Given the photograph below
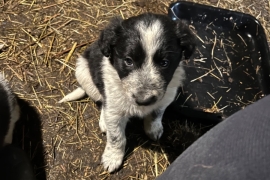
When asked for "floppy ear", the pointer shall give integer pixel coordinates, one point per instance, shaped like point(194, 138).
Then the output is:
point(109, 35)
point(186, 37)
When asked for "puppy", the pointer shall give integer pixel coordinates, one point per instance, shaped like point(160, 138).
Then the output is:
point(9, 112)
point(134, 69)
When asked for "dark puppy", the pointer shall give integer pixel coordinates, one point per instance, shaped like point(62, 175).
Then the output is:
point(134, 69)
point(9, 112)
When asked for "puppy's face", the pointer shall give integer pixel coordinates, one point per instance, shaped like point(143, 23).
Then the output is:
point(145, 51)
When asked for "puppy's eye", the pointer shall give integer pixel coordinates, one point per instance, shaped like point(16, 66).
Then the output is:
point(128, 61)
point(164, 63)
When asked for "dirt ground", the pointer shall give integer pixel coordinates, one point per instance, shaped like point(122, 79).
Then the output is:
point(42, 39)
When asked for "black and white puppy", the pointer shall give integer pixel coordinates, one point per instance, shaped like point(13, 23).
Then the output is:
point(9, 112)
point(134, 69)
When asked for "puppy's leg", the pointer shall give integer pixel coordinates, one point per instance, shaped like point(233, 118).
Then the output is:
point(74, 95)
point(153, 124)
point(102, 124)
point(114, 152)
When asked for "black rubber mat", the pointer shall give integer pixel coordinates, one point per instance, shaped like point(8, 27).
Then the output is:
point(230, 68)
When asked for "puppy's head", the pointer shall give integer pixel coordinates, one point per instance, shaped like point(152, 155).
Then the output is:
point(145, 51)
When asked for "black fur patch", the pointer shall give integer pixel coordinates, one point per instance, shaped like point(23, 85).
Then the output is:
point(94, 58)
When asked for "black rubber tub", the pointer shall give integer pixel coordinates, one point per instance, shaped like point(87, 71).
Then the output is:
point(230, 68)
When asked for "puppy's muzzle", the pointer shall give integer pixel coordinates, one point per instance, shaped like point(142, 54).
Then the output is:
point(143, 99)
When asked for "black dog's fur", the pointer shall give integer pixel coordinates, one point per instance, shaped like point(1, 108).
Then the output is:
point(9, 112)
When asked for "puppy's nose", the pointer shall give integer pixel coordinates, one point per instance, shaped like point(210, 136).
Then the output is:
point(145, 101)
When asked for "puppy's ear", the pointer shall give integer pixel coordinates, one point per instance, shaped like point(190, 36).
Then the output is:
point(186, 37)
point(109, 35)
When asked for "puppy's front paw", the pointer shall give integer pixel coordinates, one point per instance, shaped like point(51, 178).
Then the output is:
point(154, 130)
point(112, 159)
